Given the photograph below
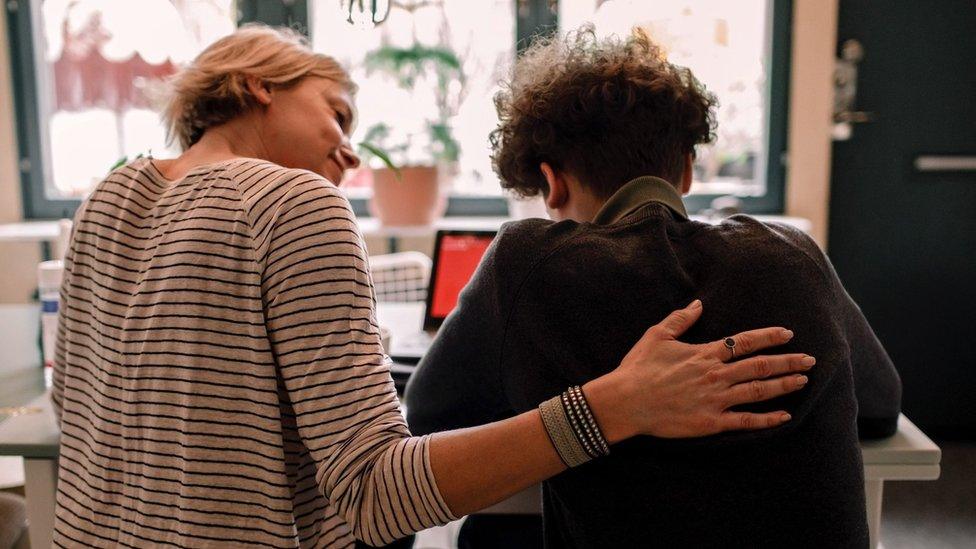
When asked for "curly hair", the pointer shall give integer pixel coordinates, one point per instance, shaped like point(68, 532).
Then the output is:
point(212, 89)
point(604, 110)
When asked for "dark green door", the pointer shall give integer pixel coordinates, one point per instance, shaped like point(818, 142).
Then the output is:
point(903, 240)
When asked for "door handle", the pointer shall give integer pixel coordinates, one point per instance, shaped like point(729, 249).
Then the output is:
point(845, 91)
point(945, 163)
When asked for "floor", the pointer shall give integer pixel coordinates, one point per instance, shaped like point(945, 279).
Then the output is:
point(936, 514)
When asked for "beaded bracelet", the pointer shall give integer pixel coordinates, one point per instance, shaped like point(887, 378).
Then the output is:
point(593, 428)
point(572, 428)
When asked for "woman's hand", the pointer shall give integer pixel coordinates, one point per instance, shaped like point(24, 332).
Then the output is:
point(670, 389)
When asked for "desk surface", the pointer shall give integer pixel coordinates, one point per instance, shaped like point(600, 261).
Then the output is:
point(34, 434)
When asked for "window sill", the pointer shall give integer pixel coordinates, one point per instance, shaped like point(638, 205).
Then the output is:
point(370, 226)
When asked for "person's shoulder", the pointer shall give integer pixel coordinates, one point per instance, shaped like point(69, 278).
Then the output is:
point(139, 170)
point(256, 176)
point(517, 249)
point(743, 231)
point(774, 242)
point(743, 225)
point(530, 240)
point(514, 232)
point(264, 184)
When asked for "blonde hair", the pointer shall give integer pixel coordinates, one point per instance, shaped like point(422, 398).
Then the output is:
point(212, 89)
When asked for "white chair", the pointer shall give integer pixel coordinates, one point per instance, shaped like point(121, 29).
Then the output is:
point(401, 277)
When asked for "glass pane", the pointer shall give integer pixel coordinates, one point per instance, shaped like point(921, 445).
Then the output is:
point(413, 101)
point(100, 66)
point(726, 45)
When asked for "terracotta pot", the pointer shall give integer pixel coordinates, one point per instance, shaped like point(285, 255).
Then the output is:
point(417, 198)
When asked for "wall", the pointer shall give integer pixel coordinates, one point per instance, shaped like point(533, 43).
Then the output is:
point(814, 43)
point(18, 261)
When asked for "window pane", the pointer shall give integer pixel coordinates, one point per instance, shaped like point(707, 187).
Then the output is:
point(412, 101)
point(726, 46)
point(100, 65)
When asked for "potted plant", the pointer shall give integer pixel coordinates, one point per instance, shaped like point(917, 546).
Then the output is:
point(424, 152)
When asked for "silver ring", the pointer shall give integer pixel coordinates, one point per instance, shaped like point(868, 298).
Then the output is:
point(730, 345)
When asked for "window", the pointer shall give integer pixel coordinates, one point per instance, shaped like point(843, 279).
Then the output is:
point(731, 49)
point(87, 80)
point(427, 77)
point(97, 71)
point(86, 73)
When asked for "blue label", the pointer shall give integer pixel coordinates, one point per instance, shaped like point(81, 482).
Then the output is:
point(49, 306)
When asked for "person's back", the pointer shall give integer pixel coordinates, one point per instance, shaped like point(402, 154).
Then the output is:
point(801, 483)
point(578, 293)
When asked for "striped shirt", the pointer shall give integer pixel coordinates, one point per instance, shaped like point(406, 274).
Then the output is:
point(219, 378)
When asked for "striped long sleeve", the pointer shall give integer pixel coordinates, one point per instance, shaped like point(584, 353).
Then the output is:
point(220, 372)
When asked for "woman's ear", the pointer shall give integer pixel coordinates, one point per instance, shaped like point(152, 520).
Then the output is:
point(258, 89)
point(558, 192)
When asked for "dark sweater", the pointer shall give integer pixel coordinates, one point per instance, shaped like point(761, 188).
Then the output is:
point(557, 304)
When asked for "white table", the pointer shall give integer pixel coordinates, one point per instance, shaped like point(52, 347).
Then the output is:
point(33, 435)
point(909, 455)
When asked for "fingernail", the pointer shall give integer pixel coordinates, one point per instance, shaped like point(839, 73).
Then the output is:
point(695, 304)
point(801, 380)
point(808, 361)
point(785, 417)
point(788, 334)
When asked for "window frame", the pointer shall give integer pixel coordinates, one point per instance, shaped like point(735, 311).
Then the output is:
point(533, 18)
point(779, 46)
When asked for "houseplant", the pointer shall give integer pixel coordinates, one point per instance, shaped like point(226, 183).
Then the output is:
point(423, 149)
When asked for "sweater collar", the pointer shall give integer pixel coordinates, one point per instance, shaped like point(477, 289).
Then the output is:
point(637, 193)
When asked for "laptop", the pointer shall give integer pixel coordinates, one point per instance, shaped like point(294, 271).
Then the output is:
point(457, 254)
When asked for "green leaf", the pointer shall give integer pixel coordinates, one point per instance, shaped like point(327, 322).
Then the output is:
point(450, 149)
point(442, 67)
point(123, 160)
point(381, 154)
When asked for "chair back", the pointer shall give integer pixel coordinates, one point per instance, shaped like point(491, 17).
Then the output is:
point(400, 277)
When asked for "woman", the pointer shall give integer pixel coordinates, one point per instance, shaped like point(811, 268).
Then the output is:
point(219, 378)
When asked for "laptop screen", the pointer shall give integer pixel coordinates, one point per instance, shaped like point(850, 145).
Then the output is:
point(456, 257)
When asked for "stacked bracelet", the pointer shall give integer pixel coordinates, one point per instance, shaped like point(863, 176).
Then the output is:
point(572, 428)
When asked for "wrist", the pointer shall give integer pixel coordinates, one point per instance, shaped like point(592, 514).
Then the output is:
point(608, 399)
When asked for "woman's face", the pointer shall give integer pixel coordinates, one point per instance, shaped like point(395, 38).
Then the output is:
point(307, 126)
